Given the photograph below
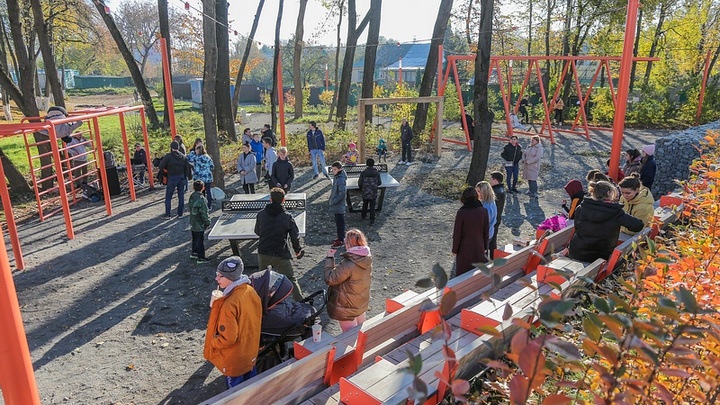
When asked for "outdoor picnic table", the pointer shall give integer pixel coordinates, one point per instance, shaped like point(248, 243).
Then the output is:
point(237, 221)
point(353, 173)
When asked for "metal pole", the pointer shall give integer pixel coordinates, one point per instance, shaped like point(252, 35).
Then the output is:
point(623, 88)
point(168, 86)
point(10, 220)
point(17, 380)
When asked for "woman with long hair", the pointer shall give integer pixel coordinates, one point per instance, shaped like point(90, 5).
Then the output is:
point(597, 224)
point(486, 196)
point(202, 170)
point(632, 162)
point(349, 281)
point(246, 169)
point(471, 234)
point(637, 200)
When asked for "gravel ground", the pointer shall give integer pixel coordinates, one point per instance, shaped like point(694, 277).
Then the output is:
point(118, 314)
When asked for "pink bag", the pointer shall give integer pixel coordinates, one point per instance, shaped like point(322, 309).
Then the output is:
point(554, 223)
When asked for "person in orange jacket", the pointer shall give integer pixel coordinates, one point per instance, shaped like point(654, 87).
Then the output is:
point(232, 339)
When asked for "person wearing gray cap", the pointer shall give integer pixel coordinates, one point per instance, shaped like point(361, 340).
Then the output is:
point(177, 168)
point(232, 339)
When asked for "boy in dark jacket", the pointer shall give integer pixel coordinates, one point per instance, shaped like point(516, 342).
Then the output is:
point(199, 222)
point(368, 183)
point(273, 226)
point(496, 181)
point(283, 172)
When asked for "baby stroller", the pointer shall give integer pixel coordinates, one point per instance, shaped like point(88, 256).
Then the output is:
point(284, 320)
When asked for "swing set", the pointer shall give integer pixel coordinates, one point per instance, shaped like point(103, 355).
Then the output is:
point(497, 63)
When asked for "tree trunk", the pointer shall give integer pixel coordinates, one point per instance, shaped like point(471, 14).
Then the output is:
point(341, 5)
point(426, 85)
point(164, 23)
point(530, 28)
point(246, 55)
point(130, 62)
point(638, 31)
point(656, 41)
point(346, 76)
point(297, 53)
point(208, 100)
point(483, 115)
point(276, 95)
point(51, 75)
point(373, 39)
point(225, 117)
point(15, 180)
point(548, 23)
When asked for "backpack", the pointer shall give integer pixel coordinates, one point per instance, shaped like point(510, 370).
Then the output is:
point(369, 186)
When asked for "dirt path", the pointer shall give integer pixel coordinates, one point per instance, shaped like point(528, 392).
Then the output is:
point(117, 315)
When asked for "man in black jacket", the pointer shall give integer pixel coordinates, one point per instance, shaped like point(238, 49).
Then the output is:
point(273, 226)
point(406, 136)
point(496, 181)
point(175, 166)
point(368, 183)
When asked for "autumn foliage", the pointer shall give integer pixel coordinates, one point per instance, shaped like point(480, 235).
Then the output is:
point(655, 338)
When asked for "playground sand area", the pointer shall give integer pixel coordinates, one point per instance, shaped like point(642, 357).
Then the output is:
point(118, 314)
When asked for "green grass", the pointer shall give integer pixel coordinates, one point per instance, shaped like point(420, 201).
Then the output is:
point(100, 91)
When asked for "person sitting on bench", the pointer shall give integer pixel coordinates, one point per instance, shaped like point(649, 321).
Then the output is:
point(597, 224)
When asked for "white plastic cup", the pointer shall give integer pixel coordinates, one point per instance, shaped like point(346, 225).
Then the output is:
point(317, 332)
point(214, 296)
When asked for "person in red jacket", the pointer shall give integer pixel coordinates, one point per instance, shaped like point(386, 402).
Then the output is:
point(232, 339)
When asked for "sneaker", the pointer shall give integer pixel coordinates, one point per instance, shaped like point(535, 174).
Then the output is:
point(527, 193)
point(315, 177)
point(203, 261)
point(193, 256)
point(407, 163)
point(179, 216)
point(337, 243)
point(402, 162)
point(327, 176)
point(167, 217)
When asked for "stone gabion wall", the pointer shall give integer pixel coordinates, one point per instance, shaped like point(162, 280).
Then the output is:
point(674, 154)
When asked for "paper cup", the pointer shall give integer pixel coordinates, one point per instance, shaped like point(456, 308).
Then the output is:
point(214, 296)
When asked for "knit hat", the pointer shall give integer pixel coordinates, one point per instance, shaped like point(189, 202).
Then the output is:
point(174, 145)
point(231, 268)
point(649, 149)
point(352, 145)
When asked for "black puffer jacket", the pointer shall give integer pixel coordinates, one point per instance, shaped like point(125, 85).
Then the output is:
point(597, 227)
point(512, 153)
point(273, 225)
point(176, 164)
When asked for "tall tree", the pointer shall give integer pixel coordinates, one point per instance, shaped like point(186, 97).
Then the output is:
point(483, 116)
point(225, 116)
point(139, 24)
point(208, 100)
point(246, 55)
point(297, 53)
point(276, 95)
point(44, 41)
point(137, 77)
point(353, 33)
point(341, 8)
point(373, 39)
point(426, 85)
point(659, 30)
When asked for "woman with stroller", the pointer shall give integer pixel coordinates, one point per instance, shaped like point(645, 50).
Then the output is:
point(203, 167)
point(349, 281)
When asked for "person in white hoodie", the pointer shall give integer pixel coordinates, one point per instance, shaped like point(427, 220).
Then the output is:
point(349, 281)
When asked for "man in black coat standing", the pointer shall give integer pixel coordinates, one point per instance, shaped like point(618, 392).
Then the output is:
point(496, 181)
point(368, 183)
point(406, 136)
point(175, 166)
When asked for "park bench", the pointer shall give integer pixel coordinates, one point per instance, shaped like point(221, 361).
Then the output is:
point(385, 382)
point(352, 187)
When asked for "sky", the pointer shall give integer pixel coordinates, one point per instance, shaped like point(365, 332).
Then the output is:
point(402, 20)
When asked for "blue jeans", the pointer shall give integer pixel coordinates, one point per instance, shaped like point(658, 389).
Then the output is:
point(233, 381)
point(316, 154)
point(340, 225)
point(512, 173)
point(175, 183)
point(207, 192)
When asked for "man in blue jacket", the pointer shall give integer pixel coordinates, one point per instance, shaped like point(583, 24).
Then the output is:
point(316, 146)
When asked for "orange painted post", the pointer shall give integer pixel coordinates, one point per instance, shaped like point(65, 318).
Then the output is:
point(10, 219)
point(623, 88)
point(576, 76)
point(17, 380)
point(128, 162)
point(61, 181)
point(168, 86)
point(462, 106)
point(702, 88)
point(281, 103)
point(102, 173)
